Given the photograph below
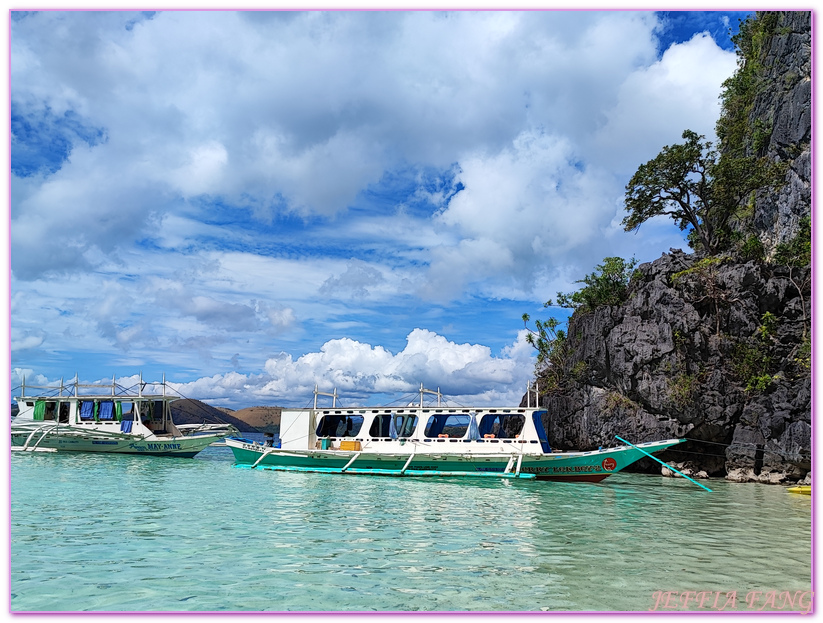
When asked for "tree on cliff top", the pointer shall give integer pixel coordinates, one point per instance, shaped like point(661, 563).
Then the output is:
point(697, 188)
point(607, 285)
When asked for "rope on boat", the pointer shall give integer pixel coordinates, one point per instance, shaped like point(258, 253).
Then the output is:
point(802, 453)
point(662, 463)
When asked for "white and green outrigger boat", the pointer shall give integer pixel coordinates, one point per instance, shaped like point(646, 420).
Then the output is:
point(103, 418)
point(503, 442)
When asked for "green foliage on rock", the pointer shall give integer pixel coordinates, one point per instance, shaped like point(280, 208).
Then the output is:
point(700, 284)
point(804, 355)
point(798, 251)
point(753, 360)
point(553, 352)
point(738, 95)
point(607, 285)
point(752, 249)
point(683, 389)
point(752, 364)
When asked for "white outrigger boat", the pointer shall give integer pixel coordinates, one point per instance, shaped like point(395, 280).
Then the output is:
point(505, 442)
point(103, 418)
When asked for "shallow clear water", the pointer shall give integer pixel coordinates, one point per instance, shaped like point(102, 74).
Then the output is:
point(119, 533)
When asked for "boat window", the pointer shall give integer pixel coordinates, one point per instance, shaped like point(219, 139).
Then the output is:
point(339, 425)
point(502, 426)
point(381, 427)
point(51, 411)
point(404, 426)
point(124, 410)
point(153, 411)
point(64, 413)
point(447, 425)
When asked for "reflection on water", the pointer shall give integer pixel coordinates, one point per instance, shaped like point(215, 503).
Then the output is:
point(151, 533)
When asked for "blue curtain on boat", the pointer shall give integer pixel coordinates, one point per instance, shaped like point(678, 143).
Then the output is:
point(487, 424)
point(87, 410)
point(436, 425)
point(125, 426)
point(541, 432)
point(392, 426)
point(474, 433)
point(106, 410)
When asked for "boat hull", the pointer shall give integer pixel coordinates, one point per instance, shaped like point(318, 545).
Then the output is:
point(567, 466)
point(183, 447)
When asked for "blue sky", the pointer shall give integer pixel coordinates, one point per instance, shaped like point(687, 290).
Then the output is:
point(257, 202)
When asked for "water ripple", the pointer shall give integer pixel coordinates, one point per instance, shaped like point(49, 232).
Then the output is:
point(139, 533)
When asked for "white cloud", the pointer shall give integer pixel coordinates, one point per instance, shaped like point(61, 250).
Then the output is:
point(656, 103)
point(357, 281)
point(198, 139)
point(467, 371)
point(202, 172)
point(25, 341)
point(531, 204)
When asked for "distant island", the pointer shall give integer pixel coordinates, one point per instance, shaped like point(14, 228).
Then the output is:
point(248, 420)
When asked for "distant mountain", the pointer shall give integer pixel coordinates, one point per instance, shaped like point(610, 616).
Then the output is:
point(249, 420)
point(263, 419)
point(189, 411)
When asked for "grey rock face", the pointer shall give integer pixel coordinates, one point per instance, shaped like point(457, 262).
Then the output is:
point(785, 108)
point(657, 367)
point(694, 355)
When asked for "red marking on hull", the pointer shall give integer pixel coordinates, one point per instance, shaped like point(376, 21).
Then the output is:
point(589, 478)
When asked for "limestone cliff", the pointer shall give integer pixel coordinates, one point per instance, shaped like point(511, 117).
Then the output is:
point(780, 120)
point(716, 349)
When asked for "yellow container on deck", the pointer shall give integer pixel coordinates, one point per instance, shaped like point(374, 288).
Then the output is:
point(350, 445)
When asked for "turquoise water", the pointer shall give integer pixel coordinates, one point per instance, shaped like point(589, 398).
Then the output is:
point(119, 533)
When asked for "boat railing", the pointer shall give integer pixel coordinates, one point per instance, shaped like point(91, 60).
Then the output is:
point(529, 389)
point(437, 393)
point(73, 389)
point(332, 395)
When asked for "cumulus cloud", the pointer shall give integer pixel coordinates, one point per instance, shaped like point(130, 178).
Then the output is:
point(362, 373)
point(188, 186)
point(464, 370)
point(528, 205)
point(655, 103)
